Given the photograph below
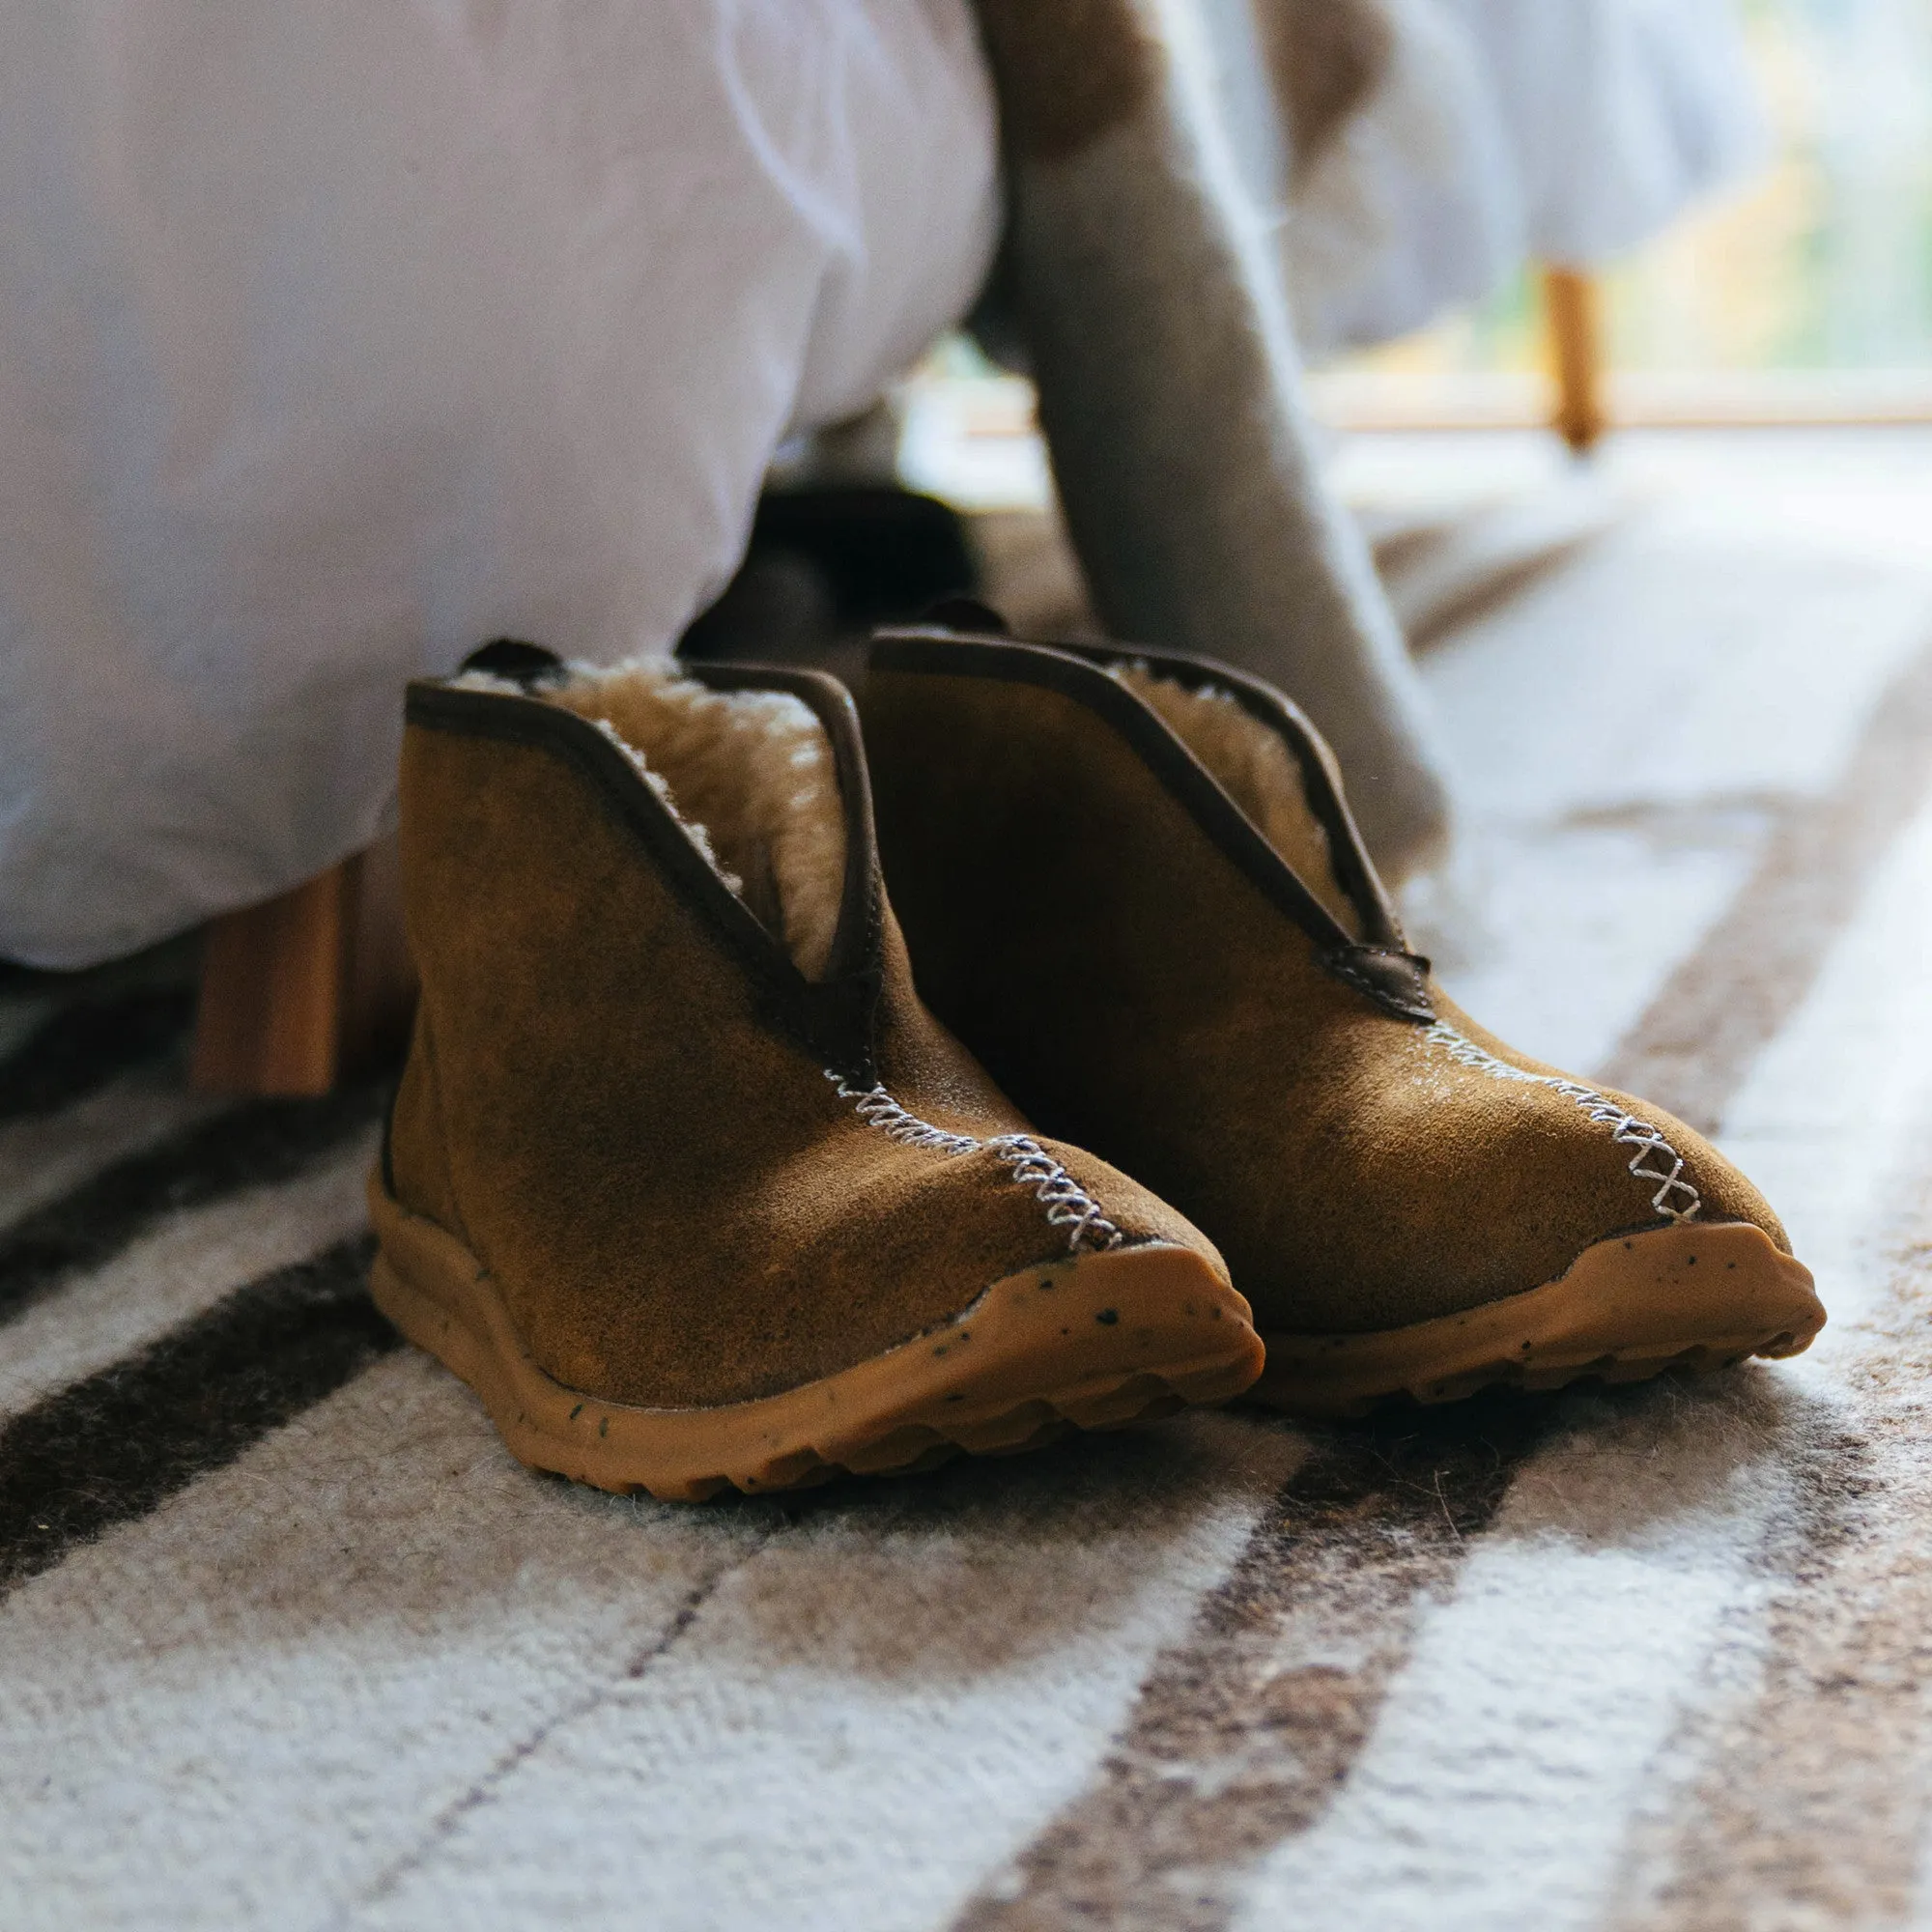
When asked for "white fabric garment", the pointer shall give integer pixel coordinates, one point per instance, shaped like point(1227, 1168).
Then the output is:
point(1418, 205)
point(1567, 131)
point(343, 334)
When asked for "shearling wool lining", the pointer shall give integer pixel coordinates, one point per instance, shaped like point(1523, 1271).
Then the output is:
point(749, 776)
point(1255, 769)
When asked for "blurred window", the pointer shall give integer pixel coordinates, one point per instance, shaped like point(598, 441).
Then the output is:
point(1807, 292)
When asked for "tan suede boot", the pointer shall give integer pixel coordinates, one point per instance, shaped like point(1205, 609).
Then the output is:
point(681, 1178)
point(1133, 889)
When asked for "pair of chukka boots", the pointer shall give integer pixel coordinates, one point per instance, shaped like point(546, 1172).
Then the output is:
point(713, 1166)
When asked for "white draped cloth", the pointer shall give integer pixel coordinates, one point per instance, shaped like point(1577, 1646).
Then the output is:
point(340, 335)
point(1566, 130)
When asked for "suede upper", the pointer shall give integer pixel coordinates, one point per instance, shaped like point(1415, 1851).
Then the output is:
point(618, 1093)
point(1087, 912)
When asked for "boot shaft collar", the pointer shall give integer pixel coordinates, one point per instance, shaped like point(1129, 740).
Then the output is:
point(1378, 964)
point(833, 1016)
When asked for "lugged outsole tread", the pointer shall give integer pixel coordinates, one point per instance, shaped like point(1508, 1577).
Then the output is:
point(1690, 1297)
point(995, 1440)
point(1022, 1366)
point(1618, 1371)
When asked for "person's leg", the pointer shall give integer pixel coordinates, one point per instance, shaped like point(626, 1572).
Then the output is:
point(1170, 391)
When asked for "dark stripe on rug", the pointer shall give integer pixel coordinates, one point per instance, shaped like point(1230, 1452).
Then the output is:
point(1809, 1800)
point(1696, 1042)
point(1241, 1735)
point(1189, 1836)
point(117, 1445)
point(83, 1046)
point(252, 1146)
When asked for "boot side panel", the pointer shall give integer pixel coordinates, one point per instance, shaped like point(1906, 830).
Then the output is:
point(679, 1206)
point(417, 1165)
point(1136, 994)
point(1066, 918)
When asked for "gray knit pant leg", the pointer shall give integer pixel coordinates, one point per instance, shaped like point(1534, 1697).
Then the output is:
point(1170, 394)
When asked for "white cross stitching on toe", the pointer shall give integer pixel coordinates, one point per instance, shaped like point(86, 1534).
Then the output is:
point(1676, 1197)
point(1067, 1203)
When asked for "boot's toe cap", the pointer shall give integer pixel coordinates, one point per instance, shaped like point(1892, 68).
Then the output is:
point(1515, 1224)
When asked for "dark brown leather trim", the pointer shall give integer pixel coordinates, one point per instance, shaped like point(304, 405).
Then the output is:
point(1382, 970)
point(1398, 981)
point(830, 1017)
point(855, 944)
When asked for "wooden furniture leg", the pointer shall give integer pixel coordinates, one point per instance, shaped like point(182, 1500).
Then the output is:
point(1572, 315)
point(303, 990)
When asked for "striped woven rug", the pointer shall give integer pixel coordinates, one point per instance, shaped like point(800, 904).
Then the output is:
point(287, 1640)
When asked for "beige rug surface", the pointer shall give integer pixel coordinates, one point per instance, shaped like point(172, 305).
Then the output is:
point(287, 1640)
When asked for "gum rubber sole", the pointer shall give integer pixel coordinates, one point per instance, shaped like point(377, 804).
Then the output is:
point(1093, 1342)
point(1687, 1296)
